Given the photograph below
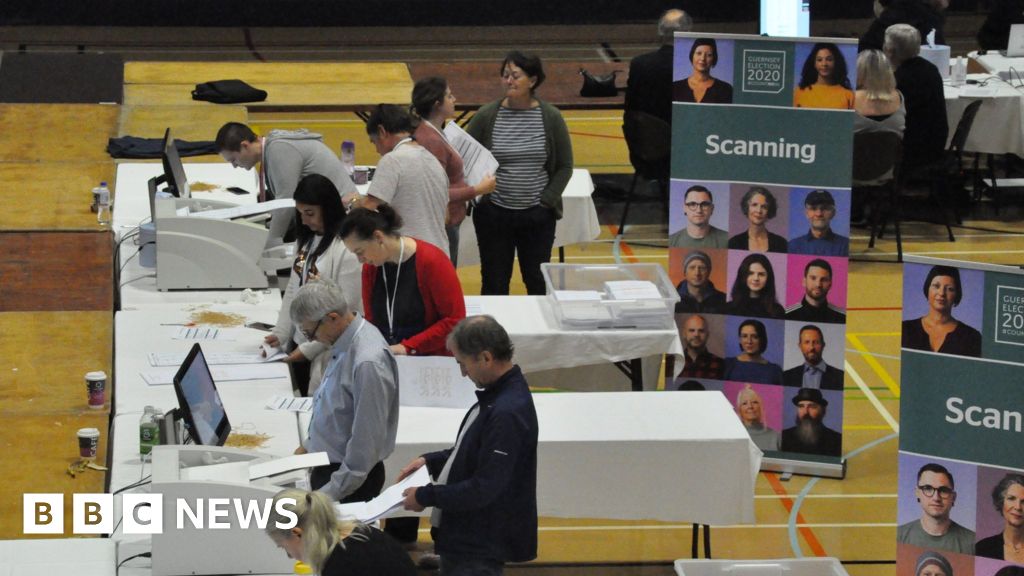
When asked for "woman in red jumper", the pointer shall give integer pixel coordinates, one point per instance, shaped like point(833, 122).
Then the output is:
point(410, 290)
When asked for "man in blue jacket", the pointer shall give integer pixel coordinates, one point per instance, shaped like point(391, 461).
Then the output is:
point(484, 493)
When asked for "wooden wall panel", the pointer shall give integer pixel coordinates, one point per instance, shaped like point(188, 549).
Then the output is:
point(56, 271)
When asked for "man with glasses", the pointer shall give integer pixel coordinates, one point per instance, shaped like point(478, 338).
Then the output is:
point(820, 240)
point(698, 205)
point(355, 409)
point(934, 529)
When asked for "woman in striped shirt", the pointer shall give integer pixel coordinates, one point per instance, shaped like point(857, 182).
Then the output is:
point(530, 140)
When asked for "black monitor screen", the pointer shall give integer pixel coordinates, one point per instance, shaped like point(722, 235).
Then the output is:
point(199, 402)
point(174, 172)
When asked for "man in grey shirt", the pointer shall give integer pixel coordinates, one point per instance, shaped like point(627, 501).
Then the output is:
point(935, 529)
point(408, 177)
point(698, 205)
point(285, 157)
point(355, 410)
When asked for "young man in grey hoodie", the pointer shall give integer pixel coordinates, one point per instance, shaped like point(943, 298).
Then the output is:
point(285, 157)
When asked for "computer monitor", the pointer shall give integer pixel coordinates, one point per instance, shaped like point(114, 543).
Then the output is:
point(173, 176)
point(786, 18)
point(199, 402)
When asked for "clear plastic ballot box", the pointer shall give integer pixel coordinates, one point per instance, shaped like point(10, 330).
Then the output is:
point(783, 567)
point(590, 296)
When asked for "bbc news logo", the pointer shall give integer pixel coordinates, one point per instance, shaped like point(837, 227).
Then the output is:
point(144, 513)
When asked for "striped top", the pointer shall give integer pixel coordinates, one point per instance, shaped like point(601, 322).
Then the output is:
point(518, 145)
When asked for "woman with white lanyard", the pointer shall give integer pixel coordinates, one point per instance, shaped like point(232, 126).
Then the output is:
point(320, 254)
point(434, 103)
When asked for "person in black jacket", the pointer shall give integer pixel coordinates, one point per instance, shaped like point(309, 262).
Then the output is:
point(649, 86)
point(924, 139)
point(924, 15)
point(995, 32)
point(484, 493)
point(813, 372)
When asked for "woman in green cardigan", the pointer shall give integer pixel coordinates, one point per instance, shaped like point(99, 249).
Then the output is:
point(530, 140)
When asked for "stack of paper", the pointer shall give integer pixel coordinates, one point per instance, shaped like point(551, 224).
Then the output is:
point(632, 290)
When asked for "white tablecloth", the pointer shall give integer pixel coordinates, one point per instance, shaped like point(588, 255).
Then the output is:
point(999, 126)
point(78, 556)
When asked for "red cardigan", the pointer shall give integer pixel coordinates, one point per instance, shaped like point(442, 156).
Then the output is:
point(443, 303)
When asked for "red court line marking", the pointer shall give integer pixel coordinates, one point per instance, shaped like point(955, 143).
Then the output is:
point(877, 308)
point(807, 533)
point(574, 133)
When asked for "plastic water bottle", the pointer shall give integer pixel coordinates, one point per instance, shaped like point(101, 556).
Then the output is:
point(348, 156)
point(103, 204)
point(149, 430)
point(959, 75)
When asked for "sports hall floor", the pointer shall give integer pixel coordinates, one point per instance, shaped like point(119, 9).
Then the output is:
point(853, 519)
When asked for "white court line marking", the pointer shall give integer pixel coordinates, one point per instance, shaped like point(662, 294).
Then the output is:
point(871, 397)
point(874, 354)
point(823, 496)
point(936, 252)
point(943, 236)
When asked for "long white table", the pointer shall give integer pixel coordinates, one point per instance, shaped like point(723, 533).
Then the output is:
point(78, 556)
point(999, 125)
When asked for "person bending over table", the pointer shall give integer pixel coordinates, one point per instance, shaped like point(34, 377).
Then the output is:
point(759, 206)
point(753, 290)
point(823, 80)
point(701, 86)
point(320, 254)
point(329, 545)
point(411, 292)
point(355, 410)
point(434, 103)
point(938, 330)
point(750, 365)
point(530, 140)
point(408, 177)
point(1008, 544)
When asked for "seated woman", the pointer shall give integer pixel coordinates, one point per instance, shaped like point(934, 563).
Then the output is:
point(753, 291)
point(697, 293)
point(759, 206)
point(320, 254)
point(700, 86)
point(333, 547)
point(880, 109)
point(823, 80)
point(434, 103)
point(750, 409)
point(750, 365)
point(938, 330)
point(410, 290)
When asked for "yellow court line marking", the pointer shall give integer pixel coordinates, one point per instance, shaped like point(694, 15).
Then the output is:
point(882, 373)
point(874, 399)
point(874, 333)
point(825, 496)
point(867, 427)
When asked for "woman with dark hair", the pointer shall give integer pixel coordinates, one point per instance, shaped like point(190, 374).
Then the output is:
point(701, 86)
point(938, 330)
point(530, 140)
point(320, 255)
point(823, 80)
point(329, 545)
point(434, 103)
point(753, 290)
point(750, 365)
point(410, 290)
point(759, 206)
point(1008, 544)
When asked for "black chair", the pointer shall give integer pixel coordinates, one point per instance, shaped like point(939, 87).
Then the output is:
point(649, 140)
point(876, 161)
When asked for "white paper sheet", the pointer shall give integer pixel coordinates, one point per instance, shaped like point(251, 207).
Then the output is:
point(201, 333)
point(474, 306)
point(236, 472)
point(158, 359)
point(244, 210)
point(388, 504)
point(433, 381)
point(477, 161)
point(223, 373)
point(294, 462)
point(290, 403)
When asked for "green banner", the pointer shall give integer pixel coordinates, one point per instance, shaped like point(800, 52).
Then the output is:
point(1003, 327)
point(763, 73)
point(796, 147)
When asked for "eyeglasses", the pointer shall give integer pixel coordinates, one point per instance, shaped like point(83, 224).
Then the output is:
point(699, 205)
point(929, 491)
point(311, 334)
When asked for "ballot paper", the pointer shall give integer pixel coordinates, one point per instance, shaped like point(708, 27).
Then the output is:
point(477, 161)
point(244, 210)
point(215, 358)
point(474, 306)
point(287, 464)
point(388, 504)
point(223, 373)
point(632, 290)
point(206, 333)
point(577, 295)
point(290, 403)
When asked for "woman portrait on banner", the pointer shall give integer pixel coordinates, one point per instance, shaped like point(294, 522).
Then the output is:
point(750, 365)
point(320, 254)
point(759, 205)
point(823, 81)
point(753, 290)
point(938, 330)
point(331, 546)
point(750, 409)
point(700, 86)
point(434, 103)
point(1008, 500)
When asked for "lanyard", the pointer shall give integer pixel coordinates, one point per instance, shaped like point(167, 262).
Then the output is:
point(389, 298)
